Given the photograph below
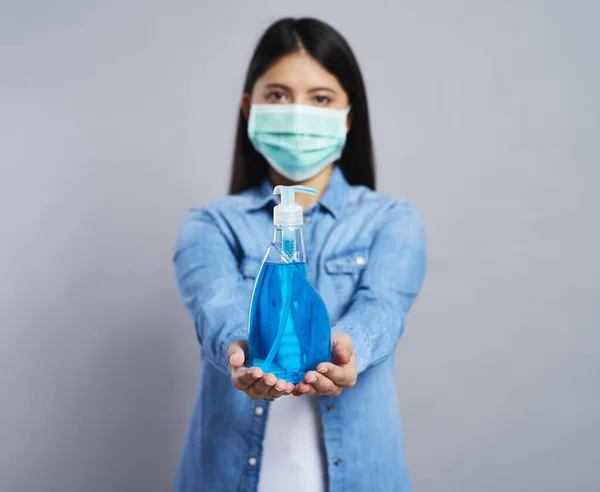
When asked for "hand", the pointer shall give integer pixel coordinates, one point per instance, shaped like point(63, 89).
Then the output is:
point(331, 379)
point(252, 380)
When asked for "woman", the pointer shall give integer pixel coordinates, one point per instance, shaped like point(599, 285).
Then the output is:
point(339, 429)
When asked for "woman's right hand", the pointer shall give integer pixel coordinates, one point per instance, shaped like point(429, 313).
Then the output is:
point(252, 380)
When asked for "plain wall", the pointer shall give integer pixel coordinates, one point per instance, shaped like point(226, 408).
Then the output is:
point(117, 117)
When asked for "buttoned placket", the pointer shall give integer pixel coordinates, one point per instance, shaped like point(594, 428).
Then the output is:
point(332, 434)
point(260, 411)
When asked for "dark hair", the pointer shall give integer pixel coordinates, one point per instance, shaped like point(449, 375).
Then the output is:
point(331, 50)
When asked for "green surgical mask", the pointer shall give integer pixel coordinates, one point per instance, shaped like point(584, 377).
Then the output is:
point(297, 140)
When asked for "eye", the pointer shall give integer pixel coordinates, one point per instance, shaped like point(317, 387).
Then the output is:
point(276, 97)
point(322, 100)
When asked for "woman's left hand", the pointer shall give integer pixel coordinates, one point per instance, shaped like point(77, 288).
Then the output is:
point(331, 379)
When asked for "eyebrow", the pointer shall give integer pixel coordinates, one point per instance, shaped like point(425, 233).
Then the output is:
point(276, 85)
point(279, 86)
point(328, 89)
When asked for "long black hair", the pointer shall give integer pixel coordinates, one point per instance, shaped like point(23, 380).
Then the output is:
point(331, 50)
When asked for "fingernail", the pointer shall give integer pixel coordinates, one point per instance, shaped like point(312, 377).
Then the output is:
point(312, 380)
point(322, 370)
point(231, 359)
point(255, 375)
point(303, 390)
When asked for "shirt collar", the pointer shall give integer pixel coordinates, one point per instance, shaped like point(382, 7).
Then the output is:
point(264, 195)
point(332, 199)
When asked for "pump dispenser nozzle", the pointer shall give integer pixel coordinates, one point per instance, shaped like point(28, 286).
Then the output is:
point(288, 213)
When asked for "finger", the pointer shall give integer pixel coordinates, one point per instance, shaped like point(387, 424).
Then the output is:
point(344, 376)
point(305, 387)
point(260, 388)
point(244, 377)
point(320, 384)
point(237, 353)
point(343, 350)
point(289, 388)
point(278, 390)
point(301, 389)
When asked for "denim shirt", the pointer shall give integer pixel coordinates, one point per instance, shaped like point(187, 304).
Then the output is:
point(366, 257)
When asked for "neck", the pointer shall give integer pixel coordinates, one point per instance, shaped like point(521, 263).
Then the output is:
point(318, 182)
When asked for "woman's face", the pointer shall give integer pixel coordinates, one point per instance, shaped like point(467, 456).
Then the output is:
point(297, 78)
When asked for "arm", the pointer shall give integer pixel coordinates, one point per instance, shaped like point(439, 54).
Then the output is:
point(388, 287)
point(369, 331)
point(213, 290)
point(218, 298)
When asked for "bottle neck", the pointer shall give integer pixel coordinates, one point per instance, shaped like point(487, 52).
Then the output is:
point(291, 242)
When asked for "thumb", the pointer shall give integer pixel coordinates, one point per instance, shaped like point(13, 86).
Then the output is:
point(236, 354)
point(342, 348)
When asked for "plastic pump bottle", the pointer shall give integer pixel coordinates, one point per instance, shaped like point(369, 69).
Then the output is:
point(290, 330)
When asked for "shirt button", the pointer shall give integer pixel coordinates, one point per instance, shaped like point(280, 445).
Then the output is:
point(337, 462)
point(329, 407)
point(360, 260)
point(307, 220)
point(252, 461)
point(259, 410)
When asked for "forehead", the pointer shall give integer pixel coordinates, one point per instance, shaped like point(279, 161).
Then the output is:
point(299, 71)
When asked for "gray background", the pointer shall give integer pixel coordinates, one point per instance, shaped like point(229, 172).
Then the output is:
point(116, 117)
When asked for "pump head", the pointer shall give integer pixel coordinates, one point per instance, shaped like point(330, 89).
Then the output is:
point(288, 213)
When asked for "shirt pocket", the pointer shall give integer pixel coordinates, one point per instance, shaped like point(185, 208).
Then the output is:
point(249, 267)
point(345, 269)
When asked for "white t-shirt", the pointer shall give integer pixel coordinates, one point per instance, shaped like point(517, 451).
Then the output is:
point(294, 457)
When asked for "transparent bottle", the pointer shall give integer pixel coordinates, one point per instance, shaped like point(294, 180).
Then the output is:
point(289, 326)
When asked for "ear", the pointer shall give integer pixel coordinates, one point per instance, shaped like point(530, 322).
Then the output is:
point(245, 105)
point(349, 121)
